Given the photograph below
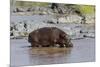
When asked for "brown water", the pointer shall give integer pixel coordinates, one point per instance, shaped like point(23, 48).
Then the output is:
point(21, 54)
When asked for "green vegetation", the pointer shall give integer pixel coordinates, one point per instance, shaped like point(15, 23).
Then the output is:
point(86, 9)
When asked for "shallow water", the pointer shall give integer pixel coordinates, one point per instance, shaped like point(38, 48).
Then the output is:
point(21, 54)
point(37, 18)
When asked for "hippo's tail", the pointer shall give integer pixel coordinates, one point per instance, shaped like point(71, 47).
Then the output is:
point(29, 38)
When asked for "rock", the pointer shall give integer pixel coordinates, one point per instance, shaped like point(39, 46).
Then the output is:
point(23, 28)
point(62, 20)
point(50, 22)
point(70, 19)
point(90, 18)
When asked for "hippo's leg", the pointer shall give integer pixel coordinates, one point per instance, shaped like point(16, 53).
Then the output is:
point(61, 45)
point(48, 46)
point(45, 45)
point(52, 44)
point(37, 45)
point(69, 45)
point(33, 44)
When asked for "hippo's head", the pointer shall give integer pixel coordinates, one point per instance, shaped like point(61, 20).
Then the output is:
point(66, 40)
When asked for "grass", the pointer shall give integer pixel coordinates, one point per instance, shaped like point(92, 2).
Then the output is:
point(86, 9)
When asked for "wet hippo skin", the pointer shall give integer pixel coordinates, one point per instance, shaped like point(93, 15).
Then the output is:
point(49, 37)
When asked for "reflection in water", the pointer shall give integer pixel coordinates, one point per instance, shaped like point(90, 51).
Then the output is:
point(49, 55)
point(21, 54)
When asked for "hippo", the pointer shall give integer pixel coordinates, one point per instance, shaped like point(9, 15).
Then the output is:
point(49, 37)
